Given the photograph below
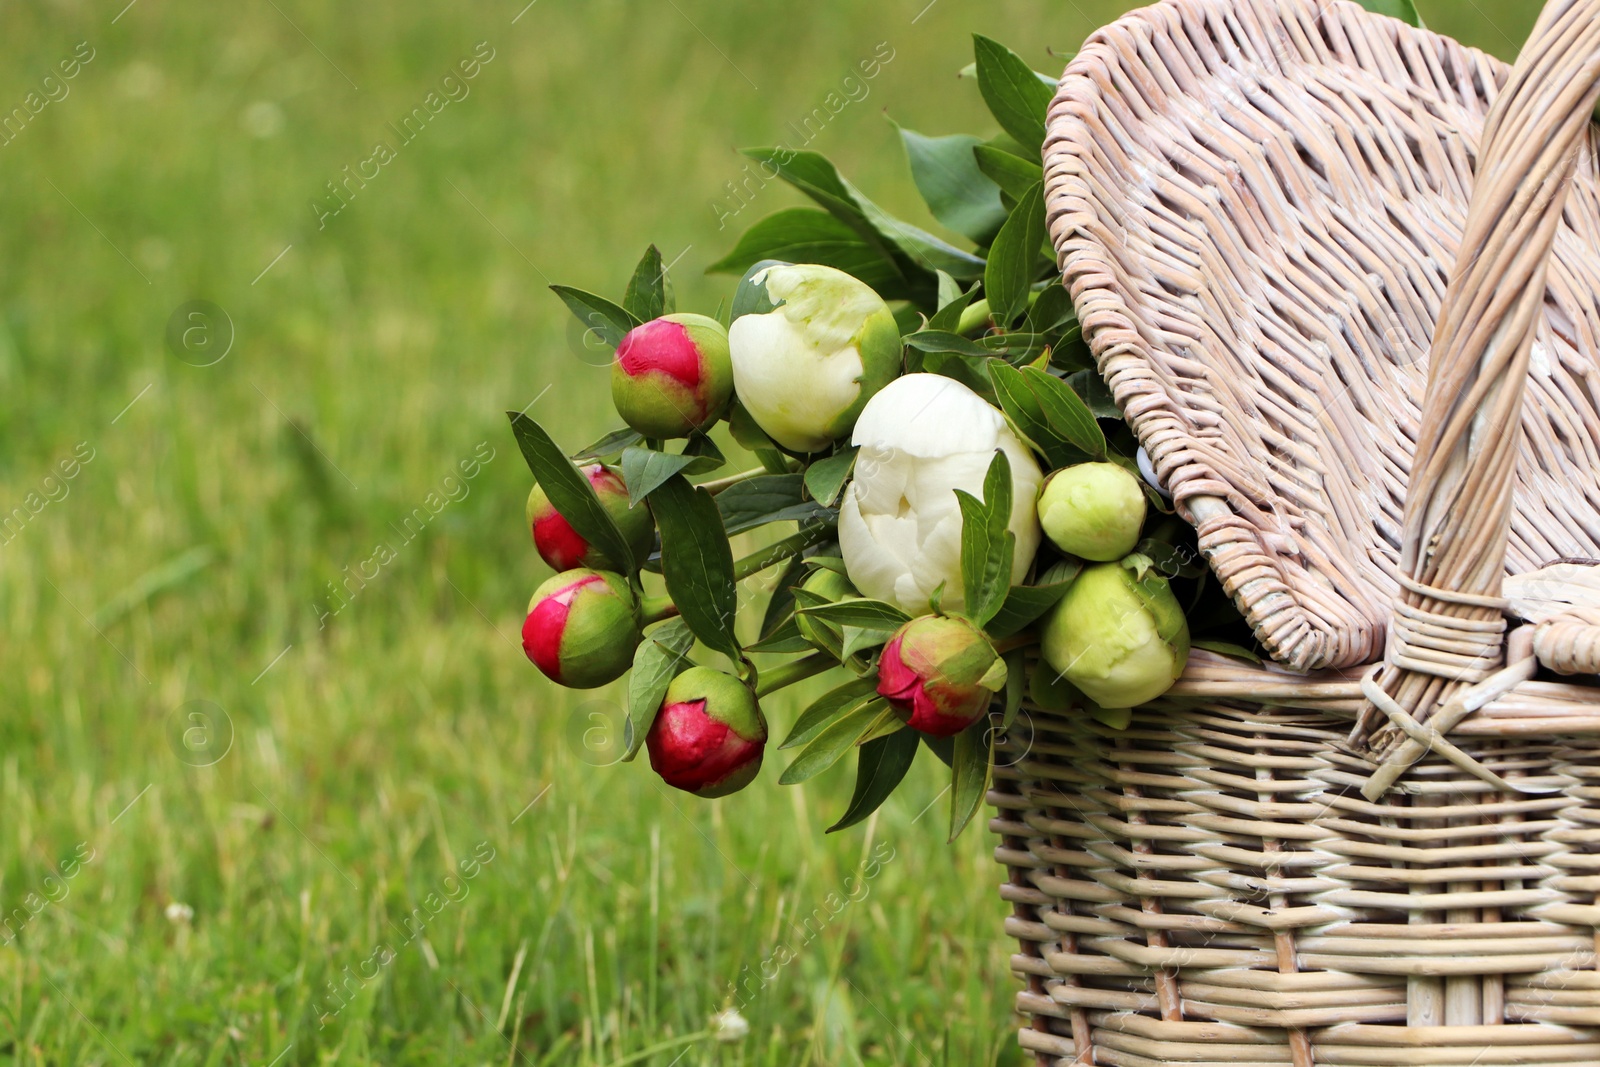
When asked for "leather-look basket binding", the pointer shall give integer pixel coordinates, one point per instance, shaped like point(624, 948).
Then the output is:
point(1343, 277)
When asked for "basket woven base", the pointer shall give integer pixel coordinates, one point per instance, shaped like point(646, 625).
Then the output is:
point(1209, 887)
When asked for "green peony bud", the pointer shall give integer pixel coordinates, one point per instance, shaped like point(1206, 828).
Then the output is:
point(941, 672)
point(1093, 510)
point(709, 735)
point(672, 375)
point(834, 587)
point(1123, 642)
point(582, 628)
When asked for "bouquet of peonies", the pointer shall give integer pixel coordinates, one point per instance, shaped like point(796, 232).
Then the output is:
point(976, 528)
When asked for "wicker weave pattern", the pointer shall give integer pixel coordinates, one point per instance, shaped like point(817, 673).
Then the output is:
point(1258, 204)
point(1253, 201)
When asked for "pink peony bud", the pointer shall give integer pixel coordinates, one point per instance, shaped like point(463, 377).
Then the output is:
point(672, 375)
point(582, 628)
point(942, 672)
point(709, 736)
point(563, 547)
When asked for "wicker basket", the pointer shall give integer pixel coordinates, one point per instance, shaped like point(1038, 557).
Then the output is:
point(1257, 205)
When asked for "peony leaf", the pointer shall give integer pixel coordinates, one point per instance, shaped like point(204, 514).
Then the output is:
point(1229, 649)
point(649, 294)
point(957, 193)
point(1017, 97)
point(1022, 407)
point(697, 562)
point(607, 321)
point(888, 722)
point(833, 741)
point(1016, 686)
point(857, 611)
point(826, 477)
point(1014, 257)
point(609, 445)
point(987, 545)
point(644, 470)
point(780, 605)
point(1010, 172)
point(1095, 392)
point(570, 492)
point(969, 773)
point(828, 707)
point(944, 341)
point(948, 317)
point(805, 235)
point(1066, 412)
point(881, 765)
point(1026, 604)
point(766, 499)
point(658, 659)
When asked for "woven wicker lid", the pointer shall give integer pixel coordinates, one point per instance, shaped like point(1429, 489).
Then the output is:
point(1257, 204)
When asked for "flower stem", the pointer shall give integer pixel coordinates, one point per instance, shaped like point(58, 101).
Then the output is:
point(656, 608)
point(797, 670)
point(779, 551)
point(718, 485)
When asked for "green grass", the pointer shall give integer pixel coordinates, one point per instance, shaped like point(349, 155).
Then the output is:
point(367, 759)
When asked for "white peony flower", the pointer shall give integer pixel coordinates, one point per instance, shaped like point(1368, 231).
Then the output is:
point(923, 437)
point(805, 369)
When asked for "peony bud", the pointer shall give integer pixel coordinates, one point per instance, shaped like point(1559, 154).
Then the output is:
point(709, 736)
point(563, 547)
point(923, 437)
point(1122, 641)
point(1093, 510)
point(942, 672)
point(834, 587)
point(805, 369)
point(582, 628)
point(672, 375)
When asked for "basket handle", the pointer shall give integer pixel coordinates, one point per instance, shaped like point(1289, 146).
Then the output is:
point(1448, 626)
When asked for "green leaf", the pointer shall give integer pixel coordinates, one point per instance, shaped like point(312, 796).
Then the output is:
point(1014, 257)
point(855, 639)
point(786, 640)
point(943, 748)
point(609, 445)
point(873, 614)
point(1066, 412)
point(767, 499)
point(658, 659)
point(1052, 311)
point(645, 469)
point(969, 774)
point(805, 235)
point(957, 192)
point(889, 721)
point(1022, 407)
point(880, 766)
point(649, 294)
point(742, 426)
point(837, 738)
point(697, 562)
point(948, 318)
point(1404, 10)
point(1012, 173)
point(608, 321)
point(780, 605)
point(1026, 604)
point(916, 252)
point(1095, 392)
point(570, 492)
point(826, 477)
point(941, 341)
point(987, 546)
point(1016, 686)
point(1016, 96)
point(827, 709)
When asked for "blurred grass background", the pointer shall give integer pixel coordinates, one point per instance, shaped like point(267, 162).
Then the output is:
point(160, 911)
